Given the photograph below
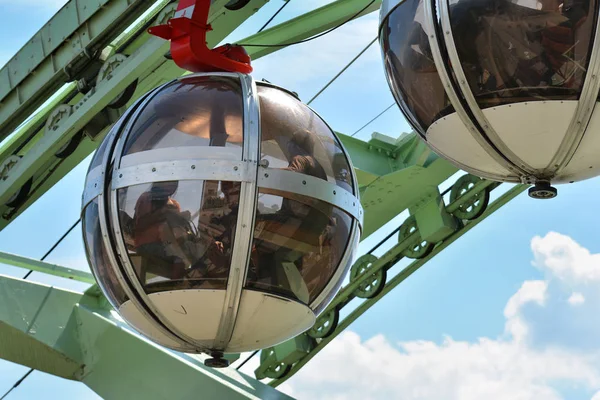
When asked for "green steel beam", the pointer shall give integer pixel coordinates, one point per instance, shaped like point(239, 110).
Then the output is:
point(307, 25)
point(46, 268)
point(61, 51)
point(370, 160)
point(393, 174)
point(386, 261)
point(71, 335)
point(36, 327)
point(121, 365)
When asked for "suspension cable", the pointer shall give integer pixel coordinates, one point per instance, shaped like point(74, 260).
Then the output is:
point(341, 72)
point(373, 120)
point(245, 361)
point(17, 383)
point(55, 245)
point(286, 2)
point(310, 38)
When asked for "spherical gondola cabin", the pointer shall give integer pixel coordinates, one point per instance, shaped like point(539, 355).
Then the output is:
point(504, 89)
point(220, 214)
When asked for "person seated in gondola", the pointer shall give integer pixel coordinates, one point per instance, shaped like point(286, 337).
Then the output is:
point(294, 230)
point(156, 232)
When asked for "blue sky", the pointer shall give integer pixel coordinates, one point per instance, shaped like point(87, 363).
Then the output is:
point(508, 311)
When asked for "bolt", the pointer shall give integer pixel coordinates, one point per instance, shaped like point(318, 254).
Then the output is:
point(193, 167)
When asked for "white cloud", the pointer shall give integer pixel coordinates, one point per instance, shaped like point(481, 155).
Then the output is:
point(517, 364)
point(562, 258)
point(576, 299)
point(530, 292)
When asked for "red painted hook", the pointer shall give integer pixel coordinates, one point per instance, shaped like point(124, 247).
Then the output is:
point(187, 33)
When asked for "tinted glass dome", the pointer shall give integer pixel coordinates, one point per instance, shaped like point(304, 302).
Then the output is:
point(505, 89)
point(220, 214)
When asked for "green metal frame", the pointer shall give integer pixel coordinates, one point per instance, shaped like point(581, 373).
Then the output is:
point(76, 336)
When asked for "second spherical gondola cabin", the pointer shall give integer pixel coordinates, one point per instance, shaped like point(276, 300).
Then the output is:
point(504, 89)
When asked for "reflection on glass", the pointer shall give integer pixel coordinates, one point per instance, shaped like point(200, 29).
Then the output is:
point(192, 111)
point(297, 246)
point(517, 50)
point(318, 308)
point(296, 139)
point(99, 154)
point(410, 69)
point(97, 255)
point(179, 235)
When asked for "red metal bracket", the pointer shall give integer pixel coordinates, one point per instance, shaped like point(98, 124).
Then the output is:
point(187, 33)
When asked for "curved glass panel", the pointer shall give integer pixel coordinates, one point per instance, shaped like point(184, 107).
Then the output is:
point(98, 258)
point(411, 72)
point(517, 50)
point(353, 246)
point(293, 137)
point(179, 235)
point(192, 111)
point(99, 154)
point(298, 244)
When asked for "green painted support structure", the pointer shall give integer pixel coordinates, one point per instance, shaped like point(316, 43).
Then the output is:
point(64, 49)
point(46, 268)
point(74, 336)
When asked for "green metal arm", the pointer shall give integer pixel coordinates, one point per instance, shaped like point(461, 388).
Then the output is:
point(46, 268)
point(71, 335)
point(66, 47)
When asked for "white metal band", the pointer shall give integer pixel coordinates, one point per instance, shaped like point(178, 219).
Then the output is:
point(583, 111)
point(312, 187)
point(455, 101)
point(120, 242)
point(506, 158)
point(110, 250)
point(93, 185)
point(94, 179)
point(200, 169)
point(233, 153)
point(245, 222)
